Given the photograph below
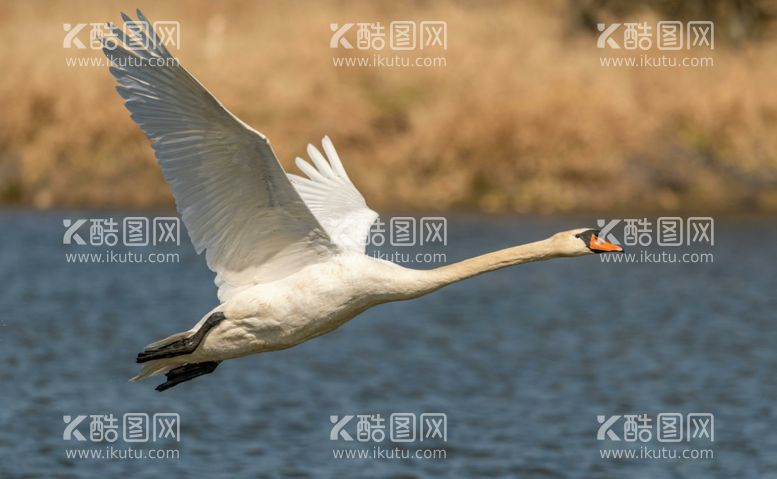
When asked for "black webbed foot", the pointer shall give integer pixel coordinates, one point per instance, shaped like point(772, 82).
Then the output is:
point(187, 372)
point(182, 346)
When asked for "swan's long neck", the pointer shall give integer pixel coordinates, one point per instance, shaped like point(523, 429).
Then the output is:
point(420, 282)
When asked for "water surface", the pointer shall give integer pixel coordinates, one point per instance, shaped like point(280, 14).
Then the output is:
point(522, 361)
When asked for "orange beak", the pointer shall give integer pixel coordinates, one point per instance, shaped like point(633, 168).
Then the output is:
point(603, 246)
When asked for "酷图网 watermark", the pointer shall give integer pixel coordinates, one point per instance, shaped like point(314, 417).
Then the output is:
point(672, 430)
point(390, 239)
point(666, 232)
point(401, 38)
point(668, 37)
point(132, 428)
point(92, 35)
point(402, 428)
point(129, 233)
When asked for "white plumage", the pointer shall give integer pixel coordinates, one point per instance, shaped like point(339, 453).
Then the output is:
point(333, 199)
point(288, 251)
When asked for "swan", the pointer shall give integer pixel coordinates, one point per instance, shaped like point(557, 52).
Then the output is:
point(288, 251)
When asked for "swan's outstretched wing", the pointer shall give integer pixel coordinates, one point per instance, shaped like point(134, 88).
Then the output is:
point(233, 195)
point(333, 198)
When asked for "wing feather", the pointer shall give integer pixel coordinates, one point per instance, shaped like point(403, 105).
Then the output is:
point(233, 196)
point(333, 199)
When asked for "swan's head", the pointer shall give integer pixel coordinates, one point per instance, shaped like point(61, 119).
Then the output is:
point(582, 241)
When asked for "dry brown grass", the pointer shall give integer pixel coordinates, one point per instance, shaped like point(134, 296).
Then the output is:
point(523, 118)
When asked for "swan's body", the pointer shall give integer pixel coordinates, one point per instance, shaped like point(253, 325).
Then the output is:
point(316, 300)
point(288, 252)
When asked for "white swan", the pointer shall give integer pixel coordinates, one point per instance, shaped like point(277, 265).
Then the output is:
point(288, 252)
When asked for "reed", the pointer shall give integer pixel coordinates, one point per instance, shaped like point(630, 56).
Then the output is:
point(523, 117)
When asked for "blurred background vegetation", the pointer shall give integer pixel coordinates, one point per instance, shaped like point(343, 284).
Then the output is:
point(523, 118)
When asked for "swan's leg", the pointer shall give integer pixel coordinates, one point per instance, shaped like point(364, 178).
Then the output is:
point(182, 346)
point(187, 372)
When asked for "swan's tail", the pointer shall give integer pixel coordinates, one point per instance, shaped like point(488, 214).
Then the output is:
point(155, 368)
point(162, 365)
point(172, 355)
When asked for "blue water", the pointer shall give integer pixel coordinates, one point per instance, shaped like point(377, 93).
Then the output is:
point(522, 361)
